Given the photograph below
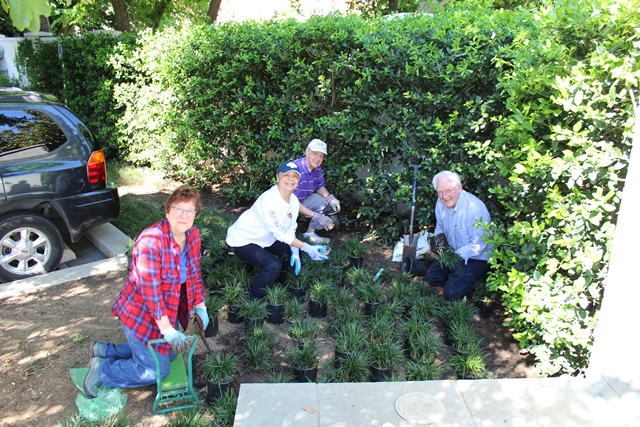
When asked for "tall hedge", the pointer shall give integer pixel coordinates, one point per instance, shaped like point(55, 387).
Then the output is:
point(90, 80)
point(39, 62)
point(225, 103)
point(570, 79)
point(533, 108)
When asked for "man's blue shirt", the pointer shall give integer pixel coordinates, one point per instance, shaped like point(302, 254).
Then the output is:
point(459, 226)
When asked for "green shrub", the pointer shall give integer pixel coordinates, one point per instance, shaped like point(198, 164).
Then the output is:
point(90, 73)
point(564, 141)
point(39, 61)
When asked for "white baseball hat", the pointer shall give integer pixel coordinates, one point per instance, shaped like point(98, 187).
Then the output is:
point(318, 145)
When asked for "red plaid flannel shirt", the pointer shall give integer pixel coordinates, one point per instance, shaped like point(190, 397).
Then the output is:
point(152, 289)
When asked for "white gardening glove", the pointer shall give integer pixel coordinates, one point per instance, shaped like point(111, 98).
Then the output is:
point(333, 202)
point(316, 252)
point(323, 220)
point(424, 251)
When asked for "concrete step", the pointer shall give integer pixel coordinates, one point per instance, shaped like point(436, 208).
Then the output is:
point(564, 401)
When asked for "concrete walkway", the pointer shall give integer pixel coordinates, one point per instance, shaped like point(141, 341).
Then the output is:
point(107, 238)
point(566, 401)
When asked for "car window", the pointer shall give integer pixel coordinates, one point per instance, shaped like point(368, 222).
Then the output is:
point(28, 133)
point(86, 132)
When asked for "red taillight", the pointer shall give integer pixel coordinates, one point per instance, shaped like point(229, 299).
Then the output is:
point(96, 169)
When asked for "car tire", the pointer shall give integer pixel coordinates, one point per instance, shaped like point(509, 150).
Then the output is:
point(30, 244)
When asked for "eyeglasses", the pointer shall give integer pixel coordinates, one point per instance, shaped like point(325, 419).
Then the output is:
point(447, 192)
point(180, 211)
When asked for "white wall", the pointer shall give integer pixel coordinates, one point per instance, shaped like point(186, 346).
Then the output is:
point(9, 46)
point(614, 355)
point(8, 61)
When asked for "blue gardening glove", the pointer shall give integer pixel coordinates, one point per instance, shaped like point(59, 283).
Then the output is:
point(323, 220)
point(316, 252)
point(295, 260)
point(176, 340)
point(204, 316)
point(333, 202)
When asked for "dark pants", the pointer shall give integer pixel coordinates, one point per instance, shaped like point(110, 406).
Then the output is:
point(460, 282)
point(271, 261)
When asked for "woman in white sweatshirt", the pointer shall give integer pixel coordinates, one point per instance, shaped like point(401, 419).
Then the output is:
point(264, 235)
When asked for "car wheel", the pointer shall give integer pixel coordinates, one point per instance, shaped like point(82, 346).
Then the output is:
point(30, 244)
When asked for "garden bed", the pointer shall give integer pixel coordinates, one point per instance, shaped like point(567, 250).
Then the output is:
point(47, 333)
point(502, 357)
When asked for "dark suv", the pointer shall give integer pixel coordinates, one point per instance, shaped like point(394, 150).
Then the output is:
point(53, 183)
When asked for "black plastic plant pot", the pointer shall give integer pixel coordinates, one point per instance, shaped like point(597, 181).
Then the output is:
point(331, 213)
point(233, 315)
point(370, 308)
point(317, 309)
point(276, 314)
point(414, 267)
point(215, 390)
point(298, 293)
point(338, 357)
point(212, 327)
point(380, 374)
point(484, 308)
point(305, 375)
point(407, 347)
point(467, 377)
point(355, 262)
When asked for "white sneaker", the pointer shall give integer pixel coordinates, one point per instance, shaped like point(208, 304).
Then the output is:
point(314, 238)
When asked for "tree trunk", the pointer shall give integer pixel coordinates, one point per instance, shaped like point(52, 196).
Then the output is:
point(44, 24)
point(158, 12)
point(214, 8)
point(122, 15)
point(393, 6)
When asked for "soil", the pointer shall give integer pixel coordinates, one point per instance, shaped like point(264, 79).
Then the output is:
point(45, 333)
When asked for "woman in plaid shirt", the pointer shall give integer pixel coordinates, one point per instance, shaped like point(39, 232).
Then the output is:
point(164, 286)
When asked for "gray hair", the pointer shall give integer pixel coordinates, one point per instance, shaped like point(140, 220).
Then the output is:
point(450, 176)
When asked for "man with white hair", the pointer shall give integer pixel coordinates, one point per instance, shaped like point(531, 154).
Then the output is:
point(460, 216)
point(315, 200)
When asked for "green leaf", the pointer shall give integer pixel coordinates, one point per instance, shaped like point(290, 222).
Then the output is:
point(26, 13)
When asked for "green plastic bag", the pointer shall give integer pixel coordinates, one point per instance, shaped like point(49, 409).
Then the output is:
point(108, 402)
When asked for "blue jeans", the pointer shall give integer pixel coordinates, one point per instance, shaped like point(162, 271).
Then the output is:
point(460, 282)
point(130, 364)
point(271, 261)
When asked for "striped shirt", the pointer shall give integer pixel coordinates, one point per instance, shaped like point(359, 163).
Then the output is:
point(310, 180)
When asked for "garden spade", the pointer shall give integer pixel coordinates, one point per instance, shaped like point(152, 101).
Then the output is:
point(415, 164)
